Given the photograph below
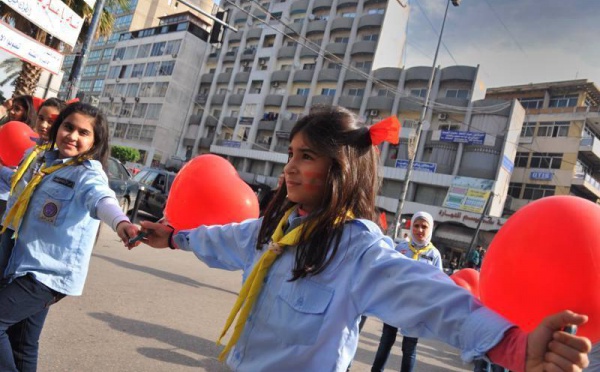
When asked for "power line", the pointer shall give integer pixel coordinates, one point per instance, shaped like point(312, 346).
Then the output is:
point(435, 31)
point(506, 28)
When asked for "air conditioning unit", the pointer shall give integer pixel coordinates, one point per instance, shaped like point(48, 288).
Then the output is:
point(123, 99)
point(275, 84)
point(373, 112)
point(111, 98)
point(311, 17)
point(174, 55)
point(137, 99)
point(443, 116)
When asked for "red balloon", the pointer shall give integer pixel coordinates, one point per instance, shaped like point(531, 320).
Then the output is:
point(468, 279)
point(15, 138)
point(546, 259)
point(209, 191)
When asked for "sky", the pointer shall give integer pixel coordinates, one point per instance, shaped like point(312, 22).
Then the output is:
point(514, 41)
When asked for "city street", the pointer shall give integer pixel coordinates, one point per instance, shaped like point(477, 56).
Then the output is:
point(161, 310)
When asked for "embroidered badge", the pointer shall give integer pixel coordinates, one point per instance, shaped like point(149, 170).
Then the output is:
point(50, 211)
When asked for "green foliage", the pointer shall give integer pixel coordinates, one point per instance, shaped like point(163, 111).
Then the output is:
point(125, 154)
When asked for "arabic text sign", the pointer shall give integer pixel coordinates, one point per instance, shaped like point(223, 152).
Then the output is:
point(29, 50)
point(471, 138)
point(468, 194)
point(417, 165)
point(52, 16)
point(91, 3)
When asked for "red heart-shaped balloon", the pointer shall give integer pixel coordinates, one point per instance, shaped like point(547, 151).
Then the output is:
point(209, 191)
point(546, 259)
point(15, 139)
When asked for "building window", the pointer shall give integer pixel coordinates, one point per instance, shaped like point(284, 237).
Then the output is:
point(132, 90)
point(334, 66)
point(521, 159)
point(308, 66)
point(418, 92)
point(146, 89)
point(527, 130)
point(160, 89)
point(376, 11)
point(553, 129)
point(514, 189)
point(563, 100)
point(107, 54)
point(166, 68)
point(303, 92)
point(140, 110)
point(158, 49)
point(90, 70)
point(98, 85)
point(532, 103)
point(95, 55)
point(371, 37)
point(102, 68)
point(138, 70)
point(546, 160)
point(130, 52)
point(173, 47)
point(457, 93)
point(269, 41)
point(364, 65)
point(534, 192)
point(153, 112)
point(152, 69)
point(144, 50)
point(328, 92)
point(256, 86)
point(356, 92)
point(126, 110)
point(341, 39)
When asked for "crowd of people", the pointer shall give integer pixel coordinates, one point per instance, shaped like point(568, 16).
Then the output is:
point(313, 265)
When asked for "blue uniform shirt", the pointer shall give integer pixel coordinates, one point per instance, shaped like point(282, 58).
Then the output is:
point(58, 230)
point(5, 175)
point(431, 257)
point(311, 324)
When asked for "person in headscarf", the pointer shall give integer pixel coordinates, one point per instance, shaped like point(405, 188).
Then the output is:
point(418, 247)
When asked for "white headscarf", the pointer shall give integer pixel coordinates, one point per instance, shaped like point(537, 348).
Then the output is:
point(422, 216)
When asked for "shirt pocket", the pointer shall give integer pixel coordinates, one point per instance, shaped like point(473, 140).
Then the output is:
point(301, 307)
point(55, 200)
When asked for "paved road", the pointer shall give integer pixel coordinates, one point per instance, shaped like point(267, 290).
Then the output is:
point(160, 310)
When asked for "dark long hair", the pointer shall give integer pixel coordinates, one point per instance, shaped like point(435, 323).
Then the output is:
point(99, 150)
point(351, 186)
point(57, 103)
point(27, 103)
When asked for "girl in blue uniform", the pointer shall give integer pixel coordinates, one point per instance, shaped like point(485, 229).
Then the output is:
point(315, 262)
point(51, 221)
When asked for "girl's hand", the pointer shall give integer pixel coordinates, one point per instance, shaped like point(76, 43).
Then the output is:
point(126, 230)
point(550, 349)
point(158, 234)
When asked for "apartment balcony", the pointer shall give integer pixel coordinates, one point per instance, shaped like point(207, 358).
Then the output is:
point(230, 56)
point(211, 121)
point(337, 49)
point(286, 52)
point(230, 121)
point(241, 77)
point(452, 101)
point(370, 21)
point(316, 27)
point(268, 125)
point(293, 29)
point(462, 73)
point(410, 104)
point(418, 73)
point(355, 76)
point(347, 3)
point(235, 37)
point(213, 57)
point(380, 103)
point(364, 47)
point(351, 102)
point(253, 34)
point(248, 55)
point(242, 18)
point(207, 78)
point(305, 76)
point(587, 185)
point(322, 5)
point(280, 76)
point(287, 125)
point(205, 142)
point(342, 23)
point(589, 149)
point(274, 100)
point(235, 99)
point(388, 74)
point(217, 99)
point(296, 101)
point(328, 74)
point(259, 13)
point(299, 7)
point(309, 53)
point(195, 119)
point(322, 100)
point(224, 77)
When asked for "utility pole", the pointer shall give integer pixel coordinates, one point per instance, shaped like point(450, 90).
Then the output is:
point(87, 42)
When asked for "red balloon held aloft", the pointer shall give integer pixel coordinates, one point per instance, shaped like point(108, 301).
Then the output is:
point(209, 191)
point(15, 139)
point(546, 259)
point(468, 279)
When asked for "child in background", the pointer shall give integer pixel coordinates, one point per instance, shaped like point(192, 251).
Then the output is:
point(49, 229)
point(23, 110)
point(315, 262)
point(47, 114)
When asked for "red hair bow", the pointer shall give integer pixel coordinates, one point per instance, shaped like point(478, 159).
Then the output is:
point(74, 100)
point(37, 102)
point(386, 130)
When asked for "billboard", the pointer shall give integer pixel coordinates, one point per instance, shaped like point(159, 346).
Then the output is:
point(468, 194)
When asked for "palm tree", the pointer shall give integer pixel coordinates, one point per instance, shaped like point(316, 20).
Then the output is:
point(29, 75)
point(12, 68)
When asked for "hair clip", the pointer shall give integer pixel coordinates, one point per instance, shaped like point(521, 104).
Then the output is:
point(386, 130)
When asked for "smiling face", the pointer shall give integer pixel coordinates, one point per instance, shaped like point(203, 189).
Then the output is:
point(420, 231)
point(75, 135)
point(305, 173)
point(44, 121)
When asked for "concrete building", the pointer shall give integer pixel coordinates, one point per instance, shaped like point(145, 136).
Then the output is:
point(291, 55)
point(150, 84)
point(559, 146)
point(140, 14)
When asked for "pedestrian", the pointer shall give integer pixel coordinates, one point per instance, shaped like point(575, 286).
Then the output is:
point(49, 229)
point(473, 258)
point(420, 249)
point(23, 110)
point(316, 261)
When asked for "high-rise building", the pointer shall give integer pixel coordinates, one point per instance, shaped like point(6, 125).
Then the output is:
point(559, 146)
point(138, 15)
point(290, 55)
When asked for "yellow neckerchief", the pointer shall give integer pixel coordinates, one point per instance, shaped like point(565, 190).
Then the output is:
point(251, 288)
point(25, 165)
point(16, 213)
point(416, 252)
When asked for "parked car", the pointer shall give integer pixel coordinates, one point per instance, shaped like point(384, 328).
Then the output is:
point(122, 184)
point(157, 184)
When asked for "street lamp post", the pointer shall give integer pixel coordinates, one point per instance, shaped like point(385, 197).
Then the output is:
point(411, 159)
